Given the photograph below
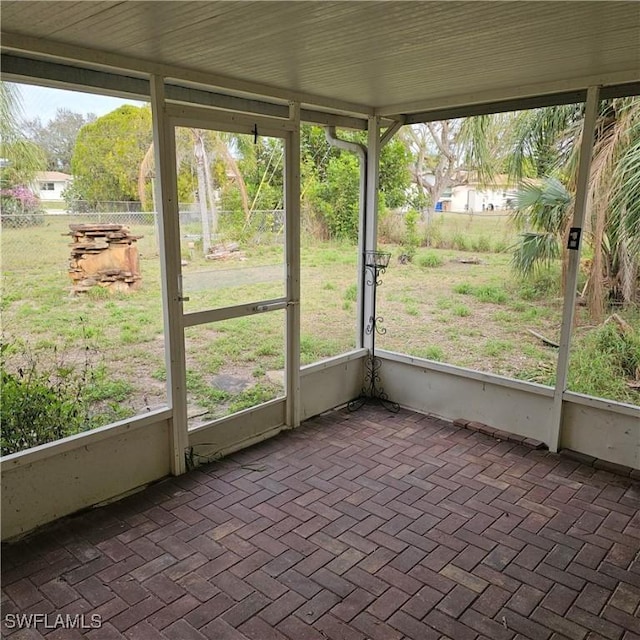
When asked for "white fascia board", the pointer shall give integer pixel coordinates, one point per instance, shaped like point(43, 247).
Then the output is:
point(92, 58)
point(512, 93)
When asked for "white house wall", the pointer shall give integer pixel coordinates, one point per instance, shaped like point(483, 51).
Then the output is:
point(469, 198)
point(56, 194)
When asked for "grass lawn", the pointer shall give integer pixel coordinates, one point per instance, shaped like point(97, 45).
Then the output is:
point(472, 315)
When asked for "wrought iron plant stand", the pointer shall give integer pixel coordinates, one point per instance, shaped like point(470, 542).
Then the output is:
point(375, 264)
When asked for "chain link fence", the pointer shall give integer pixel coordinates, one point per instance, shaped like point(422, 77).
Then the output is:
point(47, 231)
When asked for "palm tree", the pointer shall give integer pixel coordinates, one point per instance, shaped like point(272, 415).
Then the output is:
point(203, 146)
point(541, 213)
point(21, 158)
point(544, 144)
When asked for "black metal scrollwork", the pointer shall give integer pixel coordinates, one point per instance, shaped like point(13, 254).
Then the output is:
point(375, 264)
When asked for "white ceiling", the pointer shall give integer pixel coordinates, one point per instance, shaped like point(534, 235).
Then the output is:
point(395, 56)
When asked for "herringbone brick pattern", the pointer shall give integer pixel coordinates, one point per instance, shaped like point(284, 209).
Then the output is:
point(353, 527)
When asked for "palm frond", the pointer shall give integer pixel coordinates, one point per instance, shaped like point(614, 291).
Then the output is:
point(478, 139)
point(624, 191)
point(24, 157)
point(534, 251)
point(537, 140)
point(543, 206)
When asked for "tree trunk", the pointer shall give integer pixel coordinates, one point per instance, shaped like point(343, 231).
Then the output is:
point(211, 196)
point(199, 153)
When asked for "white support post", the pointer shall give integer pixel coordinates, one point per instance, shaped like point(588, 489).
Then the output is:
point(169, 232)
point(371, 215)
point(292, 238)
point(579, 215)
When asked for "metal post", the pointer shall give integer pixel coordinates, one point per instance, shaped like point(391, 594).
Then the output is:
point(579, 215)
point(292, 239)
point(169, 233)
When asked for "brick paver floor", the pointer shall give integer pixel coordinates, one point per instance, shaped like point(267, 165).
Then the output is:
point(353, 527)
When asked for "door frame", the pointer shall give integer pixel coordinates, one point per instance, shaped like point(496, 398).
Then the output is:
point(166, 118)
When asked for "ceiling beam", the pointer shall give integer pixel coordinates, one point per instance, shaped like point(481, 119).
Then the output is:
point(481, 102)
point(112, 62)
point(63, 76)
point(535, 102)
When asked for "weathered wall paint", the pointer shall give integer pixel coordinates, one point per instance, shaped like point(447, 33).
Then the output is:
point(95, 471)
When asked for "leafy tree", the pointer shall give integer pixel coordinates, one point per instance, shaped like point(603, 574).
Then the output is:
point(446, 151)
point(108, 153)
point(315, 150)
point(330, 181)
point(534, 141)
point(395, 176)
point(58, 137)
point(614, 191)
point(340, 196)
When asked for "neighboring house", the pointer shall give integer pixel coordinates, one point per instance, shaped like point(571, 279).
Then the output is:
point(472, 196)
point(51, 184)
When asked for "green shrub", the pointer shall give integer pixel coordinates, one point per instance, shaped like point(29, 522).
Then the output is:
point(460, 242)
point(489, 293)
point(411, 240)
point(461, 310)
point(603, 360)
point(430, 260)
point(464, 288)
point(351, 293)
point(433, 233)
point(482, 244)
point(40, 403)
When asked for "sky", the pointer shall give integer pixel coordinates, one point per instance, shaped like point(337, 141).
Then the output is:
point(42, 102)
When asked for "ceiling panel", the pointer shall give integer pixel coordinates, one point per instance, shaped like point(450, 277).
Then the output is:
point(373, 53)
